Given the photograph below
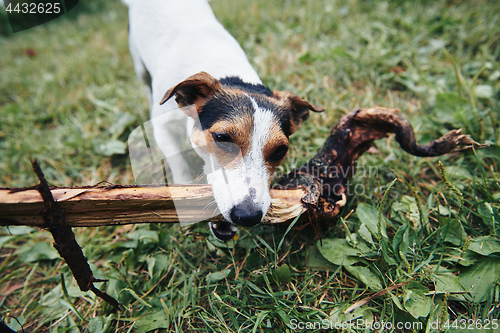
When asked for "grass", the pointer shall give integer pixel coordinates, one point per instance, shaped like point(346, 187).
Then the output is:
point(69, 97)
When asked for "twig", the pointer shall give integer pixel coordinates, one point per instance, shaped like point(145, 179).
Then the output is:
point(64, 241)
point(378, 294)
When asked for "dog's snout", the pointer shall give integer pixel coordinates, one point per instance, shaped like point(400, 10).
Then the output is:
point(246, 214)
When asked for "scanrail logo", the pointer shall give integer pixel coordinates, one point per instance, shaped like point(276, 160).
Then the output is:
point(25, 14)
point(359, 324)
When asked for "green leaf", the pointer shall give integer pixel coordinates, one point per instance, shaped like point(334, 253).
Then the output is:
point(282, 274)
point(417, 303)
point(444, 211)
point(453, 232)
point(485, 245)
point(113, 147)
point(5, 240)
point(150, 261)
point(96, 325)
point(338, 251)
point(413, 285)
point(368, 215)
point(457, 172)
point(339, 52)
point(144, 235)
point(39, 251)
point(480, 278)
point(306, 58)
point(485, 91)
point(487, 212)
point(315, 260)
point(123, 119)
point(260, 317)
point(217, 276)
point(439, 315)
point(152, 321)
point(448, 283)
point(137, 297)
point(446, 106)
point(284, 316)
point(365, 234)
point(396, 301)
point(400, 240)
point(18, 230)
point(365, 275)
point(408, 208)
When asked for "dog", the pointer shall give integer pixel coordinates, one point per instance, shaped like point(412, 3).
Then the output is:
point(200, 82)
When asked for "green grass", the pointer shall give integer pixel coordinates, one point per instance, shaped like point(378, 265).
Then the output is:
point(71, 105)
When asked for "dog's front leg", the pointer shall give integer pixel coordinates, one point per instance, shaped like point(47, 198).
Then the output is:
point(170, 133)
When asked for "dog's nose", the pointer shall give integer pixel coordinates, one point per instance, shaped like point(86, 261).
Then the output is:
point(246, 214)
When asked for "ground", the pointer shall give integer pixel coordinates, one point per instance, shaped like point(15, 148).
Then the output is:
point(427, 227)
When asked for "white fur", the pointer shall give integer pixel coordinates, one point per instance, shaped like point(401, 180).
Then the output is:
point(249, 174)
point(173, 40)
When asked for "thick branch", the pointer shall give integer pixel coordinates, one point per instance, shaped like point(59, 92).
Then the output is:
point(115, 205)
point(325, 177)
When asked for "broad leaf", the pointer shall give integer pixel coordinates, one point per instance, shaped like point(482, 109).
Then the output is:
point(338, 251)
point(368, 215)
point(282, 274)
point(479, 279)
point(365, 275)
point(315, 260)
point(152, 321)
point(217, 276)
point(39, 251)
point(365, 234)
point(453, 232)
point(417, 303)
point(485, 245)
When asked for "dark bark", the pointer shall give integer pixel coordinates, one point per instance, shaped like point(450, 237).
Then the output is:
point(325, 177)
point(65, 242)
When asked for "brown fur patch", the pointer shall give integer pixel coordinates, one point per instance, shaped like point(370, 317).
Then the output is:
point(299, 108)
point(240, 131)
point(277, 139)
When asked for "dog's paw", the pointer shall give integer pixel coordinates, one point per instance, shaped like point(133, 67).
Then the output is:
point(223, 230)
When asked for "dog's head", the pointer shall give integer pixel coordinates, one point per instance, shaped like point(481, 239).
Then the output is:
point(241, 132)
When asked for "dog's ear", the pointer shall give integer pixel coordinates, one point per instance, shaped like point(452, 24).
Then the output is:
point(196, 89)
point(299, 108)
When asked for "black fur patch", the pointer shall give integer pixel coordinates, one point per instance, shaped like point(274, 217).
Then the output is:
point(224, 106)
point(236, 82)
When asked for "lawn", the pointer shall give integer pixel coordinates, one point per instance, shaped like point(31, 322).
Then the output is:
point(418, 240)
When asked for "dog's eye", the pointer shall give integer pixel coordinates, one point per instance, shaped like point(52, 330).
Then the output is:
point(279, 153)
point(222, 137)
point(225, 142)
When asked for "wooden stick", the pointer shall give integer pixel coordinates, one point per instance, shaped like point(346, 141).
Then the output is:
point(116, 205)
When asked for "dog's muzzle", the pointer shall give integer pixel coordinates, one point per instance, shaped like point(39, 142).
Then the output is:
point(246, 214)
point(245, 217)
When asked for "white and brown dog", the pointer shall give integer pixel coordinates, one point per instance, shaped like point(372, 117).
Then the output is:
point(237, 126)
